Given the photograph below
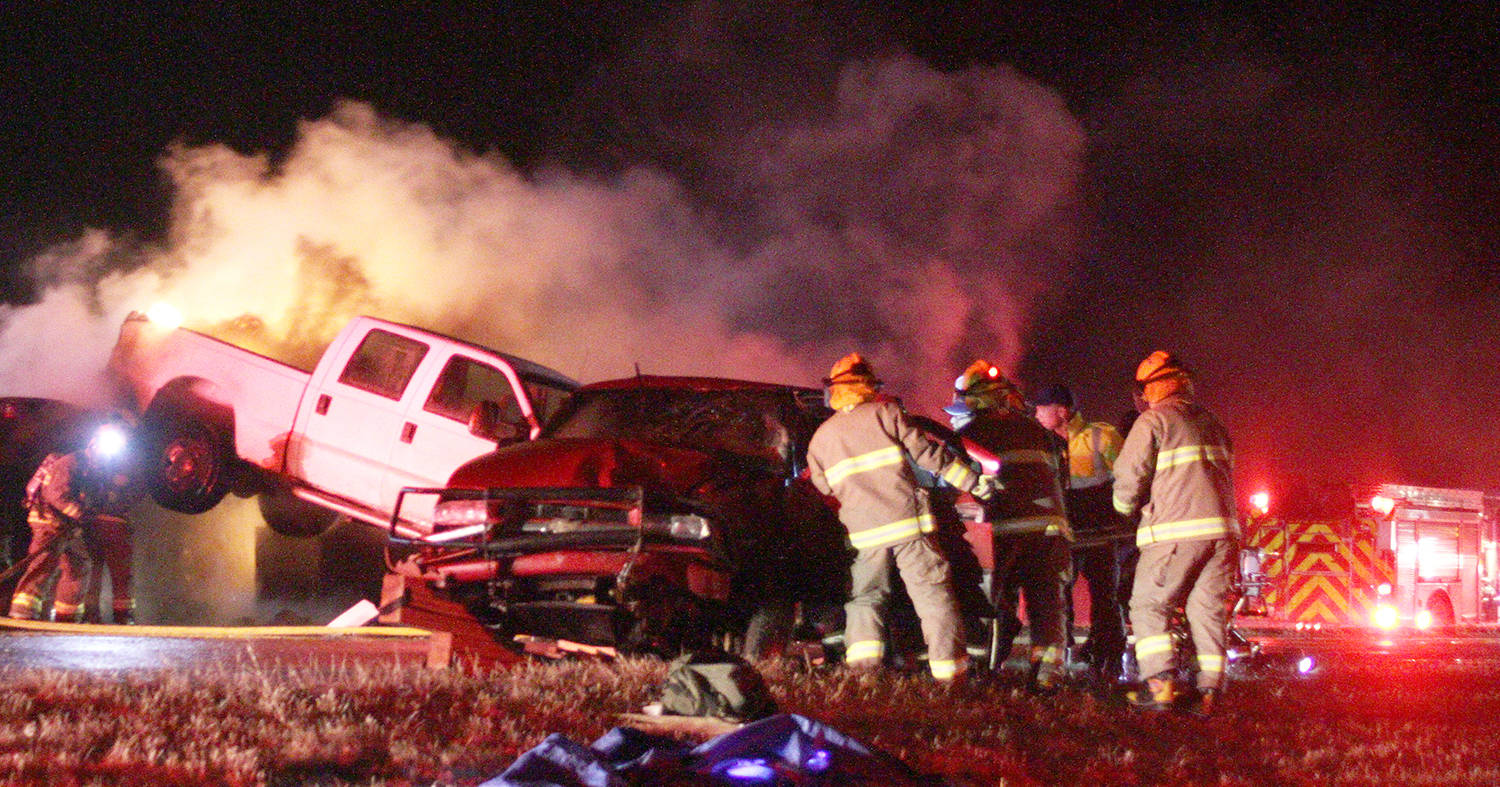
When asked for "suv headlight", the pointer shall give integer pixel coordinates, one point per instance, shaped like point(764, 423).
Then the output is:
point(683, 527)
point(460, 513)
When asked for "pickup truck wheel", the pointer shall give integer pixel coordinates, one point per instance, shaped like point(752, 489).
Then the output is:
point(189, 466)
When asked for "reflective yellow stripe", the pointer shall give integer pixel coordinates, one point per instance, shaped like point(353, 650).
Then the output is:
point(895, 531)
point(1147, 647)
point(1047, 655)
point(958, 474)
point(873, 460)
point(1123, 508)
point(1210, 663)
point(865, 650)
point(1190, 453)
point(947, 669)
point(1182, 530)
point(25, 603)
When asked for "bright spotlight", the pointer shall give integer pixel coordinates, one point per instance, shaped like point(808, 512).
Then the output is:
point(109, 441)
point(1424, 619)
point(1260, 502)
point(164, 314)
point(1305, 665)
point(1386, 617)
point(1383, 505)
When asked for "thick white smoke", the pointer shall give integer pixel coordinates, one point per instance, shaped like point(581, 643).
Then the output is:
point(919, 219)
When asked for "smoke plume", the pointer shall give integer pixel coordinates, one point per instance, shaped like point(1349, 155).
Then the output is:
point(917, 217)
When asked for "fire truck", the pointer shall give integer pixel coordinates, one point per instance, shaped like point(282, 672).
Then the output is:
point(1388, 558)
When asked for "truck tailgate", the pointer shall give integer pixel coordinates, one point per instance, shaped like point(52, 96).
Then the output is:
point(263, 393)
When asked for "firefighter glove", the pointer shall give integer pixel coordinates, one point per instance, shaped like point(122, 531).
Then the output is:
point(987, 487)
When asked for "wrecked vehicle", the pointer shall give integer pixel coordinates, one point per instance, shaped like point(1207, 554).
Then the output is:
point(653, 513)
point(386, 406)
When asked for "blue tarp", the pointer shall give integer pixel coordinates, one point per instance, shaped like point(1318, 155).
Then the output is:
point(785, 749)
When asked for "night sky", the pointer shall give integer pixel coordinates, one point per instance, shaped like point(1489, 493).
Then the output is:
point(1300, 203)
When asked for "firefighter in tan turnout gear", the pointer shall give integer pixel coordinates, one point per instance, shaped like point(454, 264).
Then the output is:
point(83, 493)
point(1174, 472)
point(860, 456)
point(1028, 519)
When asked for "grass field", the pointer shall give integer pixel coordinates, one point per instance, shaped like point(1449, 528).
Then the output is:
point(1359, 721)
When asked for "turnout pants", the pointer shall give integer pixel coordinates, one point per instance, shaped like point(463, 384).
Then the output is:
point(928, 581)
point(109, 542)
point(1037, 566)
point(48, 554)
point(1194, 575)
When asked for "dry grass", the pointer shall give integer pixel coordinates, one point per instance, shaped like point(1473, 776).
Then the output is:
point(1365, 722)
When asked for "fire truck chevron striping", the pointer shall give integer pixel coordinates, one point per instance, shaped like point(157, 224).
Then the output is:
point(1406, 557)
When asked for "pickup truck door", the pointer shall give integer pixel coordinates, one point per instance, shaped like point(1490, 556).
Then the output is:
point(436, 436)
point(352, 417)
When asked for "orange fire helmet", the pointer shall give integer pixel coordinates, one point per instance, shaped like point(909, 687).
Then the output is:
point(1160, 376)
point(851, 381)
point(983, 385)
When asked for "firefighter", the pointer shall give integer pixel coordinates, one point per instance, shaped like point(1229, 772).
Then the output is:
point(1091, 451)
point(110, 493)
point(1174, 473)
point(860, 456)
point(1028, 518)
point(63, 499)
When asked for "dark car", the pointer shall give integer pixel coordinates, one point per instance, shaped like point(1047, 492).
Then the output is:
point(653, 513)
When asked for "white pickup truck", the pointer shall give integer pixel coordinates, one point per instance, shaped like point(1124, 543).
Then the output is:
point(387, 406)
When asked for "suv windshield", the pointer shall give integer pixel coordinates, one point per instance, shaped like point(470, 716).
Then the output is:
point(746, 422)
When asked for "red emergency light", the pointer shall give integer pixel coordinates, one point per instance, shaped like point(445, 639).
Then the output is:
point(1383, 505)
point(1260, 502)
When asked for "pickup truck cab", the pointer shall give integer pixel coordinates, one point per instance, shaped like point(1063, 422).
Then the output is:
point(386, 406)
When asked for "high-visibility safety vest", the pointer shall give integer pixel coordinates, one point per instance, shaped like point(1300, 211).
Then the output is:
point(1092, 451)
point(1030, 468)
point(1175, 469)
point(860, 456)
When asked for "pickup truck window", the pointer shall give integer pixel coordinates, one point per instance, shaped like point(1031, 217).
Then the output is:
point(465, 383)
point(383, 364)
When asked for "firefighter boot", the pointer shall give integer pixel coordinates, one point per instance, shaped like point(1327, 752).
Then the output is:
point(1160, 693)
point(1203, 705)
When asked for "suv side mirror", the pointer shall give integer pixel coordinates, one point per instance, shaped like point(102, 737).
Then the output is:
point(485, 422)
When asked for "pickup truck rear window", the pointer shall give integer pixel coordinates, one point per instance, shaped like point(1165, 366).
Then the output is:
point(383, 364)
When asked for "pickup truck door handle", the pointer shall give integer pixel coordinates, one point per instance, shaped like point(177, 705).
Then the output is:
point(322, 406)
point(408, 431)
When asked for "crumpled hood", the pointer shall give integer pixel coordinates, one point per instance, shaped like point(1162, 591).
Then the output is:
point(586, 462)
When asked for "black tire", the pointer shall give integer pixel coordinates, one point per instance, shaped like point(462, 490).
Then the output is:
point(188, 464)
point(289, 515)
